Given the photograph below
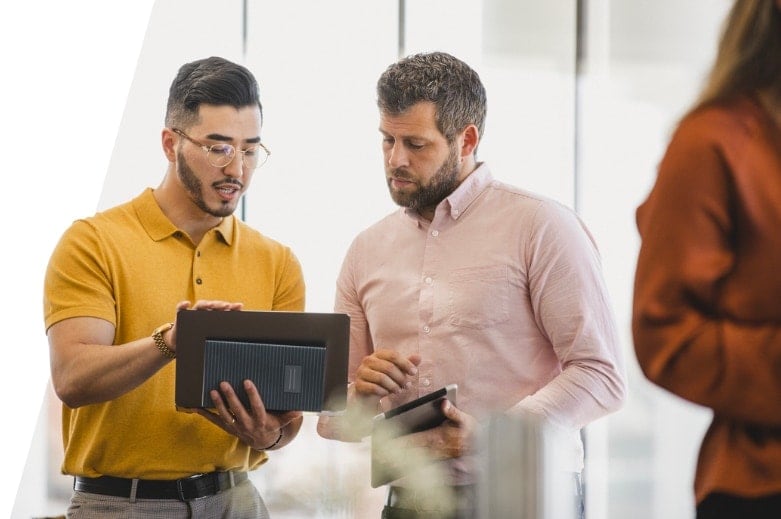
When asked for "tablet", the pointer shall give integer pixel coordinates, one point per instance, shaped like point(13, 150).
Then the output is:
point(297, 360)
point(415, 416)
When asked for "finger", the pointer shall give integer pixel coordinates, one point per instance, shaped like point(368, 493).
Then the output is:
point(226, 408)
point(385, 372)
point(451, 412)
point(205, 304)
point(256, 403)
point(406, 365)
point(225, 306)
point(183, 305)
point(230, 396)
point(370, 381)
point(385, 366)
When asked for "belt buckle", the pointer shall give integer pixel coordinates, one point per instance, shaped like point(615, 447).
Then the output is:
point(180, 490)
point(410, 497)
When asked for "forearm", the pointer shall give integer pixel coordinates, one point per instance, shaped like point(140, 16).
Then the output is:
point(95, 373)
point(726, 366)
point(579, 395)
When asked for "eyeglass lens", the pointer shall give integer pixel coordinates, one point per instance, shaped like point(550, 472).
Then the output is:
point(220, 155)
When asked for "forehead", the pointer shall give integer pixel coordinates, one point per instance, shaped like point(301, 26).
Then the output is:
point(418, 120)
point(240, 123)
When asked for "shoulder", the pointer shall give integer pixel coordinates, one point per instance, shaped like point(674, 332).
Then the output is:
point(541, 219)
point(533, 206)
point(104, 223)
point(721, 121)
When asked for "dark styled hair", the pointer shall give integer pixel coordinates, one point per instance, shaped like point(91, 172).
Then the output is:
point(453, 87)
point(214, 81)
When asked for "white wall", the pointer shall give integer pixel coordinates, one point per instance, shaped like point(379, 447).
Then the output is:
point(67, 67)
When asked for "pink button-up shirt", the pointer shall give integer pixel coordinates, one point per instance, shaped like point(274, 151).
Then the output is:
point(501, 293)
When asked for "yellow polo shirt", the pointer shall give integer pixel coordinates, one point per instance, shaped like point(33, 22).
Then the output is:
point(130, 266)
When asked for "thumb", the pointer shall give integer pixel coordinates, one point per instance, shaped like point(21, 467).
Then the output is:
point(451, 412)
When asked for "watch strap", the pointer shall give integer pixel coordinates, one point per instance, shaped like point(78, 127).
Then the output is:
point(157, 335)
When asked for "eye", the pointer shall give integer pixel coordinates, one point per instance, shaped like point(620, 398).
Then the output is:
point(222, 149)
point(251, 152)
point(414, 146)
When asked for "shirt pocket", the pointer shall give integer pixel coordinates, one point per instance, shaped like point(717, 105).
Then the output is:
point(479, 297)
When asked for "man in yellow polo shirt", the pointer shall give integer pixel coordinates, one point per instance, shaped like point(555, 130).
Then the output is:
point(113, 286)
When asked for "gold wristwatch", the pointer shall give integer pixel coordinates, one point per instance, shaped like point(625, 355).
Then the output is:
point(157, 335)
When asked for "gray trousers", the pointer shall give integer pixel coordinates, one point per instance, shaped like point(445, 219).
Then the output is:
point(240, 502)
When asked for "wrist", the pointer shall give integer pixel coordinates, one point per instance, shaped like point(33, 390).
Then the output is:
point(276, 442)
point(160, 341)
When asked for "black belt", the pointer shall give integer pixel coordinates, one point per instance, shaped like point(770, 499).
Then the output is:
point(185, 489)
point(435, 502)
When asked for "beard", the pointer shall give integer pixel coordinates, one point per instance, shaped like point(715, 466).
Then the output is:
point(194, 186)
point(428, 196)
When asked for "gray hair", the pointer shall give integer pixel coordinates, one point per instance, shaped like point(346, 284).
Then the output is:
point(453, 87)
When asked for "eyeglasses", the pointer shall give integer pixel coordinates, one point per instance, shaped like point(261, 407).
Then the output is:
point(220, 155)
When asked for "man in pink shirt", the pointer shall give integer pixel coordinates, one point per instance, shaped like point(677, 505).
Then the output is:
point(471, 282)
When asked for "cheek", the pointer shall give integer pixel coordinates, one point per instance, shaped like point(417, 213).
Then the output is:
point(247, 177)
point(386, 154)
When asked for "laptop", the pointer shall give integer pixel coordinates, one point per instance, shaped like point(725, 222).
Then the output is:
point(297, 360)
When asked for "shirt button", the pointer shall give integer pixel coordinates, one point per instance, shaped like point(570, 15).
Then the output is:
point(197, 254)
point(198, 281)
point(435, 233)
point(425, 382)
point(426, 329)
point(429, 281)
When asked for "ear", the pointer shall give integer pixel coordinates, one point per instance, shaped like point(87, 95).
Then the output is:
point(169, 140)
point(471, 137)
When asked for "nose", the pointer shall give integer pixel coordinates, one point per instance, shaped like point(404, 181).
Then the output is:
point(396, 156)
point(235, 168)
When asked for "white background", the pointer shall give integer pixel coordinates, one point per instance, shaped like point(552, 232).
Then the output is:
point(83, 92)
point(67, 68)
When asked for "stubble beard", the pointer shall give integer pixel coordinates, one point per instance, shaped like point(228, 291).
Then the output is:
point(194, 186)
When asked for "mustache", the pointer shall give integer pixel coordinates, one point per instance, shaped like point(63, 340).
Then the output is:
point(401, 174)
point(233, 181)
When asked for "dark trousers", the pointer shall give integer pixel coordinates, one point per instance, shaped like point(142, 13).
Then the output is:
point(728, 506)
point(406, 504)
point(431, 503)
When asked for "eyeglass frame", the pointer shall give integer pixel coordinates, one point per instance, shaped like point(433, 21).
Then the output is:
point(207, 149)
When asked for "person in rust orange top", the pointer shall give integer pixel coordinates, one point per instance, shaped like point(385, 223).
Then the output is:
point(707, 300)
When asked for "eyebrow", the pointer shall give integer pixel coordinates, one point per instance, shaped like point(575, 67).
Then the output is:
point(225, 138)
point(413, 137)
